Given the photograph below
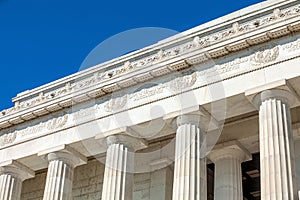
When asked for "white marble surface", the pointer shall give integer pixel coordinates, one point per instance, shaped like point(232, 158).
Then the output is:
point(277, 158)
point(118, 175)
point(190, 161)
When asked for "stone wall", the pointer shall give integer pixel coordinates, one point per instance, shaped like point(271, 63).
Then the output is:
point(33, 189)
point(141, 189)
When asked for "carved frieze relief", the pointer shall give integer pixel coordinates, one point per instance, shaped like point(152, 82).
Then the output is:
point(116, 103)
point(7, 139)
point(293, 46)
point(265, 56)
point(196, 42)
point(85, 114)
point(176, 85)
point(158, 91)
point(145, 93)
point(222, 71)
point(183, 83)
point(56, 93)
point(10, 136)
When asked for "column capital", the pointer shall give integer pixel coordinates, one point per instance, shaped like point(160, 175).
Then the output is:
point(124, 135)
point(280, 90)
point(199, 117)
point(16, 169)
point(130, 142)
point(64, 153)
point(186, 119)
point(232, 149)
point(283, 95)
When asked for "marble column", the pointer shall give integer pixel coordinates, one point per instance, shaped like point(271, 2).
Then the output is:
point(227, 158)
point(119, 166)
point(190, 162)
point(276, 145)
point(12, 174)
point(59, 179)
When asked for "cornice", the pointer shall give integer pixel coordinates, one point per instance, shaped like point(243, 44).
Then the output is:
point(271, 21)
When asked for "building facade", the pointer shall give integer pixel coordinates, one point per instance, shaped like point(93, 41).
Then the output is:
point(211, 113)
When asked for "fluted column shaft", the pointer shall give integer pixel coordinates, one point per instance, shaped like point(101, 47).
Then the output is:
point(10, 187)
point(59, 179)
point(11, 178)
point(190, 163)
point(118, 175)
point(276, 146)
point(228, 171)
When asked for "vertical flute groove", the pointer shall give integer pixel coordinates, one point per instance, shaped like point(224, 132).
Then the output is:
point(190, 168)
point(10, 187)
point(117, 174)
point(59, 181)
point(276, 144)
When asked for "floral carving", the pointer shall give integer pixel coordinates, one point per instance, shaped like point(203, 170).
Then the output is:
point(167, 53)
point(266, 56)
point(7, 138)
point(115, 104)
point(52, 124)
point(183, 83)
point(57, 122)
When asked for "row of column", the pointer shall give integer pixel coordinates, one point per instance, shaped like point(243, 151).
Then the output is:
point(276, 156)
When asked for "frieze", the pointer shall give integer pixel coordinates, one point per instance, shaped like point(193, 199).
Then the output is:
point(265, 56)
point(85, 113)
point(293, 46)
point(229, 66)
point(7, 139)
point(79, 84)
point(145, 93)
point(183, 83)
point(50, 125)
point(116, 104)
point(177, 85)
point(217, 72)
point(8, 111)
point(56, 93)
point(29, 103)
point(158, 92)
point(197, 42)
point(57, 123)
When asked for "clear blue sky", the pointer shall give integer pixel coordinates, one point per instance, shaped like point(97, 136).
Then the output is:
point(43, 40)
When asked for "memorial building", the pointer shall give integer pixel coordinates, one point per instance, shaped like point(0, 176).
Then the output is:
point(212, 113)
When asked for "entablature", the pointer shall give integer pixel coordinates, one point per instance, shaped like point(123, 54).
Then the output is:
point(244, 29)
